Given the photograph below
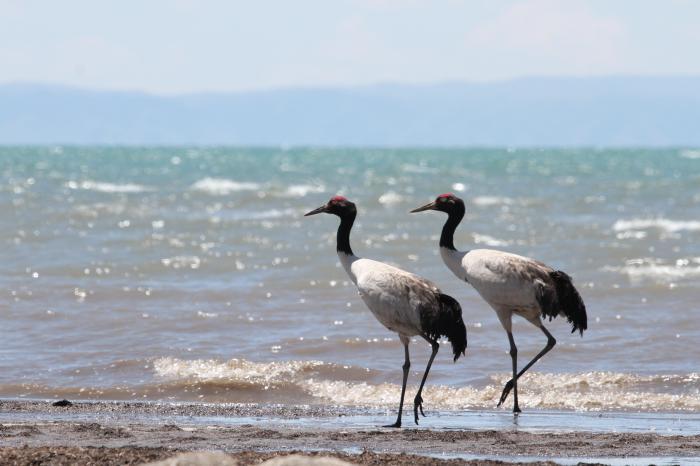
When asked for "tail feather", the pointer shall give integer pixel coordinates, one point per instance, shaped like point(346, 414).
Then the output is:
point(448, 322)
point(569, 302)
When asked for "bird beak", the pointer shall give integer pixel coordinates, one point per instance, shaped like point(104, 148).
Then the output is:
point(317, 211)
point(430, 206)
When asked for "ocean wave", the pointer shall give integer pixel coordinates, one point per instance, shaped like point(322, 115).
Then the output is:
point(316, 382)
point(690, 154)
point(489, 240)
point(631, 234)
point(103, 187)
point(222, 186)
point(591, 391)
point(301, 190)
point(413, 168)
point(658, 270)
point(671, 226)
point(487, 201)
point(266, 214)
point(234, 371)
point(587, 391)
point(389, 198)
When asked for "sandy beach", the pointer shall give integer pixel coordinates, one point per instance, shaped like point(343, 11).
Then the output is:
point(35, 432)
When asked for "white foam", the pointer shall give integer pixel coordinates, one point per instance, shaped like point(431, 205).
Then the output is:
point(390, 198)
point(412, 168)
point(590, 391)
point(664, 224)
point(489, 240)
point(386, 395)
point(238, 371)
point(486, 201)
point(657, 270)
point(222, 186)
point(690, 153)
point(301, 190)
point(267, 214)
point(631, 234)
point(107, 187)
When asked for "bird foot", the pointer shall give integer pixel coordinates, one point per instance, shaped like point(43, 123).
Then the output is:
point(395, 425)
point(506, 390)
point(418, 405)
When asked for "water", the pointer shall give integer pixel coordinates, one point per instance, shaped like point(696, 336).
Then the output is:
point(191, 274)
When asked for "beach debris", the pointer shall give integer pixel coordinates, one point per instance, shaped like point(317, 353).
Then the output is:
point(62, 403)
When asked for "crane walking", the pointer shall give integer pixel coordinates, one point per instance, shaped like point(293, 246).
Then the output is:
point(403, 302)
point(510, 284)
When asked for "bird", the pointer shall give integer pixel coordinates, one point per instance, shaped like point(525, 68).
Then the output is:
point(403, 302)
point(510, 284)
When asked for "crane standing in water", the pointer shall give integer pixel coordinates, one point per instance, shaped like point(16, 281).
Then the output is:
point(510, 284)
point(403, 302)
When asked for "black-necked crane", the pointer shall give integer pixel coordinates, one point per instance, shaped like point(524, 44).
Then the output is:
point(510, 284)
point(403, 302)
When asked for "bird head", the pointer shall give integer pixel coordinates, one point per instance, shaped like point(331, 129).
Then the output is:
point(338, 205)
point(448, 203)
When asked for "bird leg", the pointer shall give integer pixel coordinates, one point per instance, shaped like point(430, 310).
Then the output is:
point(418, 401)
point(551, 341)
point(406, 367)
point(514, 358)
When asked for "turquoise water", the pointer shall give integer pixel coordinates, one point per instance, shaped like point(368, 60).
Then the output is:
point(190, 273)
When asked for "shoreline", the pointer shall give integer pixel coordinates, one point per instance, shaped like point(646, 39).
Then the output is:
point(148, 431)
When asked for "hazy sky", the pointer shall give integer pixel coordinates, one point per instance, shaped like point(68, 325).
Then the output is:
point(169, 46)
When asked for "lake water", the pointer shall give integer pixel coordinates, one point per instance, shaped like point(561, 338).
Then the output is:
point(191, 274)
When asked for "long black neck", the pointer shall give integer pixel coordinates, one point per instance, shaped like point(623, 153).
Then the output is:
point(343, 237)
point(448, 230)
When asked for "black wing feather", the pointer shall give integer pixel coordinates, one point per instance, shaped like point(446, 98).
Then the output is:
point(563, 299)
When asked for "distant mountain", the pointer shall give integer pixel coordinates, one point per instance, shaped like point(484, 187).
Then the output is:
point(606, 111)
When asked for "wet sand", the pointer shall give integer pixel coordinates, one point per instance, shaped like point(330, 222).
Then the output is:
point(133, 433)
